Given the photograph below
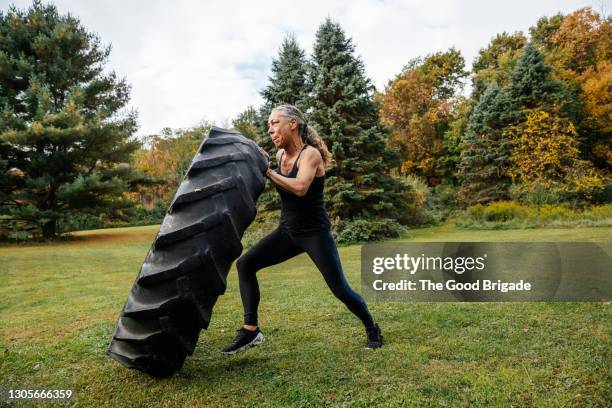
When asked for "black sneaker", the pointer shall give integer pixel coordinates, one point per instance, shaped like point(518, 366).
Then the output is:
point(375, 337)
point(245, 338)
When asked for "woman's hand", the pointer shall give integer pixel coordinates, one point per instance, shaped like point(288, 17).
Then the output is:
point(263, 152)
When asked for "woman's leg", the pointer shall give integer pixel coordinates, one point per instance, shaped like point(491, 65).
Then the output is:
point(322, 250)
point(270, 250)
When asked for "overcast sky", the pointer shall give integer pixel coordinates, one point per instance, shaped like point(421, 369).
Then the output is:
point(189, 61)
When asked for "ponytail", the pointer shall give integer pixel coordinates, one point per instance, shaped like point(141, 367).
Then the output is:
point(313, 139)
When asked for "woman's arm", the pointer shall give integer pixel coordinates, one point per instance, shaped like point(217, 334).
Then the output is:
point(311, 158)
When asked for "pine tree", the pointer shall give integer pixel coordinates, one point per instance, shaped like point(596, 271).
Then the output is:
point(496, 61)
point(485, 149)
point(342, 109)
point(64, 135)
point(532, 87)
point(488, 142)
point(287, 85)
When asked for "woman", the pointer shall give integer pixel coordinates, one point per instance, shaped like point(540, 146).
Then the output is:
point(304, 226)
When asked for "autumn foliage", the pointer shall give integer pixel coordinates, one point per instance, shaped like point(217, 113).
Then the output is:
point(539, 115)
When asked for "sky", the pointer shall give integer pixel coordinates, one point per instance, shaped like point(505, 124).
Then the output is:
point(195, 61)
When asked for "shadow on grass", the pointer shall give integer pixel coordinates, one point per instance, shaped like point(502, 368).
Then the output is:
point(91, 237)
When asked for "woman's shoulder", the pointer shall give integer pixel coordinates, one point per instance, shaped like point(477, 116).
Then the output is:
point(312, 152)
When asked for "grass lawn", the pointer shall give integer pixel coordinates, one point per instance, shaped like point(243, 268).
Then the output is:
point(59, 303)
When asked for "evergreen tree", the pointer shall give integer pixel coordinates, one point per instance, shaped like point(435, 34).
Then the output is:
point(496, 61)
point(532, 86)
point(485, 149)
point(342, 109)
point(64, 135)
point(489, 140)
point(287, 85)
point(543, 131)
point(452, 138)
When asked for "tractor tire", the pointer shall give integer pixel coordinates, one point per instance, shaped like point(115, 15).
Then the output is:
point(185, 269)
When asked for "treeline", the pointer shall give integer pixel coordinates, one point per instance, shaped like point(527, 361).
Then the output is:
point(365, 200)
point(535, 129)
point(66, 137)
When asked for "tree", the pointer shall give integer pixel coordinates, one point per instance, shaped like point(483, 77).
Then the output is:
point(247, 123)
point(447, 70)
point(485, 149)
point(451, 141)
point(545, 148)
point(596, 128)
point(546, 156)
point(541, 34)
point(583, 39)
point(581, 51)
point(496, 61)
point(417, 105)
point(64, 133)
point(288, 84)
point(344, 112)
point(166, 160)
point(533, 87)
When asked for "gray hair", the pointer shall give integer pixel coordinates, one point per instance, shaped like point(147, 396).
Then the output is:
point(292, 112)
point(307, 133)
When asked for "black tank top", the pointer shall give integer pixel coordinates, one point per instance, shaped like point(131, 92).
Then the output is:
point(306, 214)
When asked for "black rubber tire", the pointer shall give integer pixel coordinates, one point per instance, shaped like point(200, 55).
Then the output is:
point(186, 268)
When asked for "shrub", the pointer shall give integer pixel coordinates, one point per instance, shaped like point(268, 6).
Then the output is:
point(599, 212)
point(431, 204)
point(360, 230)
point(444, 196)
point(550, 212)
point(604, 195)
point(508, 214)
point(141, 215)
point(537, 194)
point(581, 188)
point(499, 211)
point(416, 195)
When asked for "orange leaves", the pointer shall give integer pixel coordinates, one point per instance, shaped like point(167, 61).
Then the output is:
point(412, 108)
point(167, 159)
point(580, 36)
point(596, 85)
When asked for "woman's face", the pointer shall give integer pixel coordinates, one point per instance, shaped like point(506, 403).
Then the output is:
point(280, 128)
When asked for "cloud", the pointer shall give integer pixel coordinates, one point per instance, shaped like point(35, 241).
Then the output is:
point(190, 61)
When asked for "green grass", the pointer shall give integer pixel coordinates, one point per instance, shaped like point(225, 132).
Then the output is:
point(59, 303)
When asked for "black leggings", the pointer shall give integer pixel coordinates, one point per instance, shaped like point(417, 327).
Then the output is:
point(280, 246)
